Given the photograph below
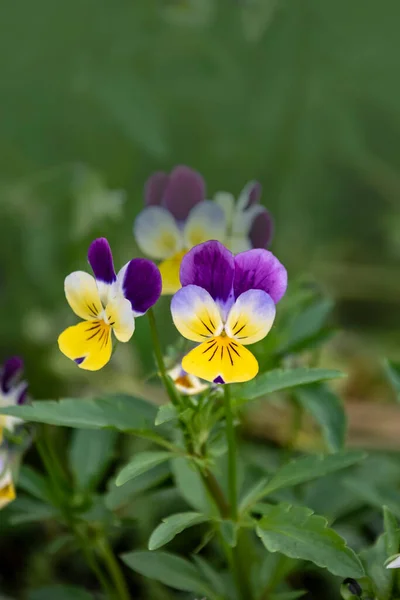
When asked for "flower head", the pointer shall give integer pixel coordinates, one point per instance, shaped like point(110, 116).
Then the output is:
point(176, 218)
point(185, 383)
point(249, 225)
point(12, 391)
point(7, 490)
point(226, 303)
point(106, 302)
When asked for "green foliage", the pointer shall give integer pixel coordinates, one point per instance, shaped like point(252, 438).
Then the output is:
point(393, 373)
point(328, 411)
point(141, 463)
point(172, 526)
point(61, 592)
point(298, 533)
point(90, 454)
point(281, 379)
point(172, 570)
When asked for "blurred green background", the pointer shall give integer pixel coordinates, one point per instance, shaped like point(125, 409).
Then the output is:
point(303, 95)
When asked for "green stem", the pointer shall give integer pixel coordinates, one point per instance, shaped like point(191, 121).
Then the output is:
point(230, 437)
point(160, 360)
point(87, 551)
point(114, 569)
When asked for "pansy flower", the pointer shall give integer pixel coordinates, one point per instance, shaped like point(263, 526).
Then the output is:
point(13, 391)
point(226, 303)
point(106, 302)
point(249, 225)
point(176, 218)
point(7, 490)
point(186, 383)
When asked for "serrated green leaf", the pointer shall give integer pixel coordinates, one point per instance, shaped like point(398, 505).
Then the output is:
point(298, 533)
point(118, 497)
point(169, 569)
point(304, 469)
point(142, 462)
point(392, 532)
point(328, 411)
point(373, 559)
point(375, 495)
point(393, 373)
point(59, 592)
point(121, 412)
point(90, 453)
point(281, 379)
point(190, 486)
point(171, 526)
point(166, 413)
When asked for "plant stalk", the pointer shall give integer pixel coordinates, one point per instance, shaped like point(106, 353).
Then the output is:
point(114, 569)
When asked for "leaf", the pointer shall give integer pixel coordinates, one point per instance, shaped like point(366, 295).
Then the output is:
point(229, 532)
point(288, 595)
point(169, 569)
point(305, 469)
point(35, 484)
point(328, 411)
point(166, 413)
point(212, 576)
point(190, 485)
point(26, 510)
point(375, 495)
point(118, 497)
point(392, 532)
point(298, 533)
point(373, 560)
point(61, 592)
point(281, 379)
point(307, 324)
point(172, 526)
point(142, 462)
point(393, 373)
point(122, 412)
point(90, 454)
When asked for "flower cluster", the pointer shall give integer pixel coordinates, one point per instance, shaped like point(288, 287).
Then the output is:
point(106, 302)
point(178, 217)
point(13, 391)
point(226, 303)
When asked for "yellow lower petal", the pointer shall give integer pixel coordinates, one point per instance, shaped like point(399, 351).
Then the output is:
point(7, 494)
point(169, 270)
point(221, 359)
point(88, 344)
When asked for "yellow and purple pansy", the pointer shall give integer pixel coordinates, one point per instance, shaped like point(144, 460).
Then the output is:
point(249, 225)
point(176, 218)
point(7, 490)
point(226, 303)
point(13, 391)
point(106, 302)
point(186, 383)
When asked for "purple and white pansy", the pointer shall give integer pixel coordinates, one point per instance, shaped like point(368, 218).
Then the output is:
point(106, 302)
point(226, 303)
point(13, 391)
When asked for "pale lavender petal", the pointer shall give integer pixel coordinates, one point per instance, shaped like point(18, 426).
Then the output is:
point(185, 189)
point(155, 187)
point(141, 284)
point(22, 393)
point(262, 230)
point(12, 367)
point(259, 270)
point(210, 266)
point(249, 196)
point(101, 261)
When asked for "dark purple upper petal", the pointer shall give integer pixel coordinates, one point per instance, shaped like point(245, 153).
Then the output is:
point(262, 230)
point(211, 266)
point(12, 368)
point(101, 260)
point(259, 270)
point(185, 189)
point(155, 187)
point(254, 193)
point(141, 284)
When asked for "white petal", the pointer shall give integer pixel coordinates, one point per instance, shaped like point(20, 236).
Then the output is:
point(227, 202)
point(206, 221)
point(120, 317)
point(83, 295)
point(157, 233)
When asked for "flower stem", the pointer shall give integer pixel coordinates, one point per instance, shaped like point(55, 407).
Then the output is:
point(160, 360)
point(114, 569)
point(232, 469)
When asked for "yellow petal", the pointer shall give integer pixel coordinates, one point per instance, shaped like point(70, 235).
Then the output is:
point(83, 295)
point(169, 270)
point(221, 360)
point(7, 490)
point(88, 344)
point(120, 316)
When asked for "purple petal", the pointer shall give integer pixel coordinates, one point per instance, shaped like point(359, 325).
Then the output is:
point(22, 393)
point(11, 369)
point(219, 379)
point(185, 189)
point(210, 266)
point(141, 284)
point(101, 260)
point(155, 187)
point(259, 270)
point(262, 230)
